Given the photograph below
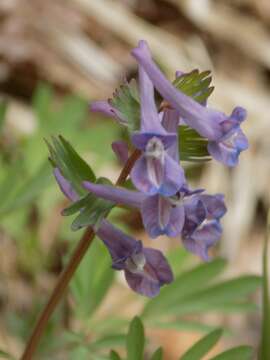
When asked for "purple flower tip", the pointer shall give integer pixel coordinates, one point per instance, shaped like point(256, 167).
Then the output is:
point(226, 140)
point(146, 270)
point(65, 185)
point(202, 228)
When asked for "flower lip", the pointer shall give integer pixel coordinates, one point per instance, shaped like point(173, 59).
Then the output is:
point(120, 263)
point(202, 228)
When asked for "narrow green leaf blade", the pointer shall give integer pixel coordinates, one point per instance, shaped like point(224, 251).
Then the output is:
point(184, 325)
point(178, 258)
point(195, 84)
point(237, 353)
point(3, 109)
point(265, 335)
point(204, 306)
point(29, 190)
point(158, 354)
point(192, 146)
point(135, 340)
point(80, 165)
point(108, 342)
point(126, 101)
point(203, 346)
point(78, 205)
point(92, 280)
point(226, 291)
point(92, 214)
point(42, 104)
point(185, 284)
point(114, 355)
point(5, 355)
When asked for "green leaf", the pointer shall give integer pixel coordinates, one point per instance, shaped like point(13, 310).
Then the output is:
point(71, 114)
point(3, 109)
point(178, 258)
point(192, 146)
point(72, 166)
point(184, 308)
point(108, 342)
point(92, 214)
point(265, 335)
point(76, 206)
point(226, 291)
point(135, 340)
point(108, 325)
point(29, 190)
point(64, 117)
point(42, 102)
point(5, 355)
point(203, 346)
point(158, 354)
point(126, 101)
point(92, 280)
point(183, 325)
point(114, 355)
point(10, 182)
point(93, 211)
point(185, 284)
point(80, 166)
point(195, 85)
point(237, 353)
point(79, 353)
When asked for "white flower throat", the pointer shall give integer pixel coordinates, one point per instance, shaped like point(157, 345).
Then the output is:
point(136, 263)
point(155, 149)
point(155, 156)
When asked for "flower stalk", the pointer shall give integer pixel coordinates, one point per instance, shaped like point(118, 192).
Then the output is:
point(68, 272)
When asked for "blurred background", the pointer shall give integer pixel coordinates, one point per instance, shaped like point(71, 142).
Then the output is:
point(58, 55)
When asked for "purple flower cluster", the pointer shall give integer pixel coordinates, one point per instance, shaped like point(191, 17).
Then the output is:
point(167, 205)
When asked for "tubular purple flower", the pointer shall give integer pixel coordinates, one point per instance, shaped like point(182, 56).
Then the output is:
point(105, 108)
point(227, 149)
point(65, 185)
point(202, 228)
point(160, 215)
point(146, 270)
point(116, 194)
point(155, 171)
point(202, 119)
point(150, 122)
point(170, 122)
point(210, 123)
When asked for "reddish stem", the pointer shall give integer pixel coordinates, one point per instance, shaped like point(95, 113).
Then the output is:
point(69, 271)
